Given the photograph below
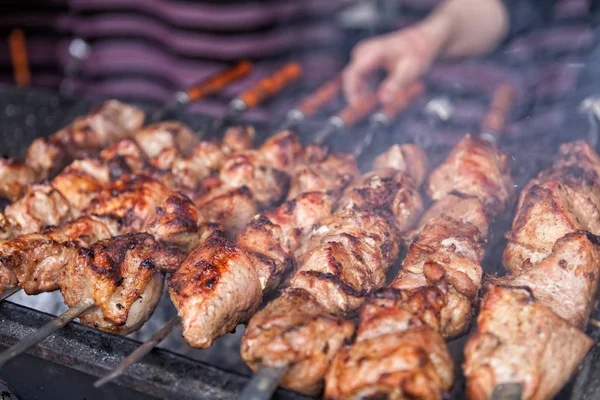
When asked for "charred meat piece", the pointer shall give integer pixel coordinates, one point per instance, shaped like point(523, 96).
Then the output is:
point(296, 331)
point(143, 204)
point(34, 261)
point(561, 200)
point(474, 168)
point(157, 137)
point(520, 340)
point(322, 172)
point(85, 137)
point(122, 276)
point(14, 178)
point(272, 238)
point(207, 288)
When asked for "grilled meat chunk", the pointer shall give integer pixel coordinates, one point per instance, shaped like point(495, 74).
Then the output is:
point(474, 168)
point(399, 351)
point(561, 200)
point(520, 340)
point(85, 137)
point(41, 206)
point(322, 172)
point(206, 288)
point(157, 137)
point(295, 331)
point(408, 158)
point(122, 276)
point(282, 151)
point(272, 238)
point(34, 261)
point(14, 178)
point(144, 204)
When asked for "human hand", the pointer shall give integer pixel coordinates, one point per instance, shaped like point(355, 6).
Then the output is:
point(405, 55)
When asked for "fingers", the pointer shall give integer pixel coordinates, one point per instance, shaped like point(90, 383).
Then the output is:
point(406, 70)
point(366, 58)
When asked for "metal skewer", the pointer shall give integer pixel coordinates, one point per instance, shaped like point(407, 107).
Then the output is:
point(202, 89)
point(264, 383)
point(309, 107)
point(6, 293)
point(141, 351)
point(260, 92)
point(45, 331)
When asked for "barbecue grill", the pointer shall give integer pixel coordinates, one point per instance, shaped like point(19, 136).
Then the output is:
point(68, 363)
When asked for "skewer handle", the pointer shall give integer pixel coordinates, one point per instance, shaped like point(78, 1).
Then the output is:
point(217, 82)
point(271, 85)
point(140, 352)
point(403, 100)
point(264, 383)
point(350, 116)
point(498, 112)
point(325, 94)
point(45, 331)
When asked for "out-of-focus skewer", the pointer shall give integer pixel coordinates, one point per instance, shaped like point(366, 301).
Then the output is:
point(310, 106)
point(590, 106)
point(384, 118)
point(141, 351)
point(260, 92)
point(263, 383)
point(495, 120)
point(346, 118)
point(45, 331)
point(202, 89)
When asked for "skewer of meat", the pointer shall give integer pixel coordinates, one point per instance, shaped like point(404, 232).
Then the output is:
point(268, 242)
point(126, 157)
point(88, 135)
point(399, 351)
point(552, 257)
point(334, 244)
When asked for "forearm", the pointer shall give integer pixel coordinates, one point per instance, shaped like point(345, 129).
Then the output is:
point(466, 28)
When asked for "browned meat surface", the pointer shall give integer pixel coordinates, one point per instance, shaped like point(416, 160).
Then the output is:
point(238, 138)
point(80, 182)
point(282, 151)
point(86, 136)
point(157, 137)
point(272, 238)
point(408, 158)
point(529, 328)
point(332, 172)
point(230, 208)
point(296, 331)
point(216, 278)
point(343, 259)
point(41, 206)
point(144, 204)
point(14, 178)
point(520, 340)
point(400, 352)
point(34, 261)
point(122, 276)
point(474, 168)
point(561, 200)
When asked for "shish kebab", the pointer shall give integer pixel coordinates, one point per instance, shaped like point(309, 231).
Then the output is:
point(83, 179)
point(342, 258)
point(267, 147)
point(399, 351)
point(269, 242)
point(89, 134)
point(553, 260)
